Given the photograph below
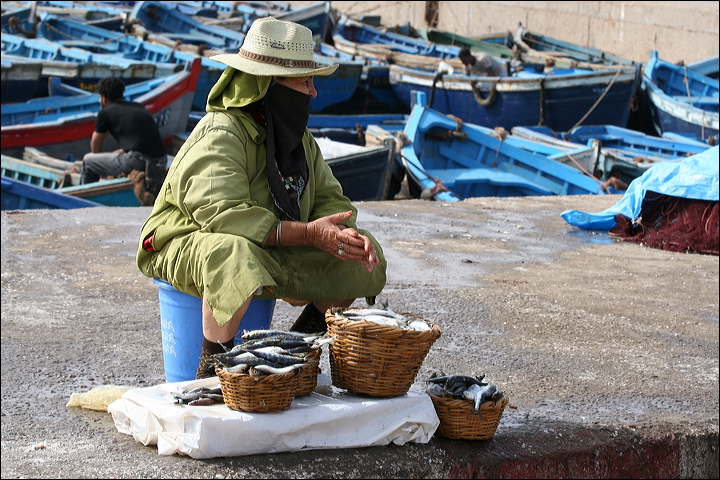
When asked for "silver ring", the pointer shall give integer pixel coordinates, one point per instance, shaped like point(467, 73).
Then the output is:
point(341, 249)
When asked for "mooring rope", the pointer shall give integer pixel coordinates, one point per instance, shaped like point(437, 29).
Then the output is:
point(607, 89)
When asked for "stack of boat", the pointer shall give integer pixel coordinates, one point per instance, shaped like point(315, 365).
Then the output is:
point(556, 124)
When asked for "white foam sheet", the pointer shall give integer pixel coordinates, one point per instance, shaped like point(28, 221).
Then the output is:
point(328, 418)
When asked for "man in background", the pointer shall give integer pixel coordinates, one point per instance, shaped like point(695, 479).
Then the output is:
point(141, 145)
point(482, 64)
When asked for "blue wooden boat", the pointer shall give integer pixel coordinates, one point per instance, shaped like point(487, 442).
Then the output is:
point(62, 126)
point(21, 78)
point(532, 41)
point(240, 15)
point(374, 92)
point(18, 22)
point(357, 32)
point(161, 18)
point(623, 153)
point(363, 171)
point(560, 100)
point(681, 100)
point(708, 67)
point(78, 67)
point(19, 195)
point(67, 32)
point(118, 192)
point(472, 163)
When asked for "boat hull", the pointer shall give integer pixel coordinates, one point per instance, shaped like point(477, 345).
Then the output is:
point(19, 195)
point(680, 100)
point(473, 163)
point(169, 104)
point(20, 80)
point(559, 102)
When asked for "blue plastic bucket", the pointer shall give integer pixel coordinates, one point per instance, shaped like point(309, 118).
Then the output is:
point(181, 327)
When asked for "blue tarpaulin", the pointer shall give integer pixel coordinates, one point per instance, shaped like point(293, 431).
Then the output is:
point(695, 178)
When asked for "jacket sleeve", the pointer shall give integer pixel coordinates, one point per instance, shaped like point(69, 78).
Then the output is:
point(216, 181)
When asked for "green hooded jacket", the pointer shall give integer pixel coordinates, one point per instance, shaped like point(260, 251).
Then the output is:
point(217, 184)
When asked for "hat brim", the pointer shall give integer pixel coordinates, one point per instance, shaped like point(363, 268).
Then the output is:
point(265, 69)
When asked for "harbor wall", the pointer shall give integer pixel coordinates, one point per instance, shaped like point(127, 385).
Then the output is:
point(679, 31)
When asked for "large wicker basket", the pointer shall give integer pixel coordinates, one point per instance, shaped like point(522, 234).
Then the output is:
point(309, 373)
point(457, 420)
point(258, 393)
point(373, 359)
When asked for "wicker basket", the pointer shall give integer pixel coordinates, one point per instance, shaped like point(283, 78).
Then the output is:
point(374, 359)
point(258, 393)
point(457, 420)
point(309, 373)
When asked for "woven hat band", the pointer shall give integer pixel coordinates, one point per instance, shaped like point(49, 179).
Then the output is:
point(276, 61)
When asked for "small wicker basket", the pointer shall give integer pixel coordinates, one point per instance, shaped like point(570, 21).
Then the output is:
point(258, 393)
point(457, 420)
point(309, 373)
point(373, 359)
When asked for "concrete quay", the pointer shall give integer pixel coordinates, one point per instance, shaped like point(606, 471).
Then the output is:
point(608, 350)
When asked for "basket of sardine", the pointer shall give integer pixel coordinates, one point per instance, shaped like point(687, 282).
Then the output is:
point(468, 408)
point(376, 351)
point(268, 370)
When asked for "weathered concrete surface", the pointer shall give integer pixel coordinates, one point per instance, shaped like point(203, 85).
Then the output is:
point(607, 350)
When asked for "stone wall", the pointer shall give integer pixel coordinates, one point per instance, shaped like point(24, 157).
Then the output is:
point(679, 31)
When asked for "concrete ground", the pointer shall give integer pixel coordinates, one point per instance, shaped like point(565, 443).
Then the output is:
point(608, 350)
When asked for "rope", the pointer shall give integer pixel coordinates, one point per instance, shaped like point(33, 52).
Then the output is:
point(607, 89)
point(501, 134)
point(487, 101)
point(687, 85)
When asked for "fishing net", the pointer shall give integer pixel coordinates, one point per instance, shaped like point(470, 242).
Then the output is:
point(673, 223)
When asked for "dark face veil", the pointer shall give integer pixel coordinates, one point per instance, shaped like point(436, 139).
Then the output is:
point(286, 113)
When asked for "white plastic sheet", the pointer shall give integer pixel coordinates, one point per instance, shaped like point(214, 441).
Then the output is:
point(328, 418)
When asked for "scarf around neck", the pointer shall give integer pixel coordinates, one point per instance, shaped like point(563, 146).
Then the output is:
point(286, 113)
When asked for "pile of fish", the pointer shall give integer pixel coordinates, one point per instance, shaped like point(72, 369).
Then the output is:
point(384, 316)
point(463, 386)
point(268, 352)
point(199, 396)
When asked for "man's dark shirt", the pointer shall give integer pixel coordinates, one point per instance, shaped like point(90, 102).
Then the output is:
point(132, 126)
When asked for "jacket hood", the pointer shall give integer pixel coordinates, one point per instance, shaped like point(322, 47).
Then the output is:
point(235, 89)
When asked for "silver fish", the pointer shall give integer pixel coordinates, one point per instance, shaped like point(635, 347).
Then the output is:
point(279, 359)
point(480, 395)
point(257, 334)
point(457, 384)
point(267, 369)
point(379, 319)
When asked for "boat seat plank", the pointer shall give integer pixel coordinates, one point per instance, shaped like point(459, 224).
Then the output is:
point(452, 176)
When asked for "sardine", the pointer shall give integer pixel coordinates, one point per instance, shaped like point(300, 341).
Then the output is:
point(379, 319)
point(364, 312)
point(267, 369)
point(480, 395)
point(419, 325)
point(257, 334)
point(240, 368)
point(437, 390)
point(278, 359)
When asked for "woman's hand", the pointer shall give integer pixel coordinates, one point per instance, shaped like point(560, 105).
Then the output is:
point(329, 235)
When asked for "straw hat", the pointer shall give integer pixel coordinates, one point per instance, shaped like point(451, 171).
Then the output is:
point(276, 47)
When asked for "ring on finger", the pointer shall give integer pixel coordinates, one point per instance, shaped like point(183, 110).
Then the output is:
point(341, 249)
